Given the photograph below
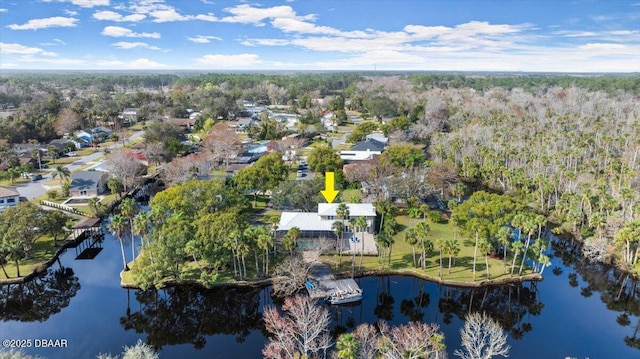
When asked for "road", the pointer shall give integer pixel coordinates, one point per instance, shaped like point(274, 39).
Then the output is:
point(36, 188)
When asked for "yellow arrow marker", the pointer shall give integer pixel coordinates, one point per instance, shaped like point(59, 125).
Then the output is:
point(329, 192)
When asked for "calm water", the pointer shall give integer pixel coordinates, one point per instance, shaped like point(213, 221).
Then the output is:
point(579, 310)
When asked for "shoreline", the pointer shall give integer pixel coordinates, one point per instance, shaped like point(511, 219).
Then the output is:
point(485, 283)
point(41, 267)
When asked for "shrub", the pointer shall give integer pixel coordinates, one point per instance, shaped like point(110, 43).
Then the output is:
point(52, 195)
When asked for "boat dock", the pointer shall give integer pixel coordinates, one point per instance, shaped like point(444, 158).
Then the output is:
point(322, 284)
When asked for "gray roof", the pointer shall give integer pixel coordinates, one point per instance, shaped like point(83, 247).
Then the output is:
point(368, 145)
point(84, 180)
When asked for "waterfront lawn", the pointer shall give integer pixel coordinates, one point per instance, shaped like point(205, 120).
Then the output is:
point(43, 250)
point(402, 257)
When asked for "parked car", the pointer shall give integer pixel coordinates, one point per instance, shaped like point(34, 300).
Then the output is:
point(300, 173)
point(36, 176)
point(72, 154)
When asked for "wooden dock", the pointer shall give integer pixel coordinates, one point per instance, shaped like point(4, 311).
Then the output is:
point(325, 283)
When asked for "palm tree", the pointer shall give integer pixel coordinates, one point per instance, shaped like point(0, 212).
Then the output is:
point(93, 206)
point(119, 227)
point(516, 246)
point(342, 212)
point(53, 152)
point(451, 249)
point(128, 210)
point(486, 247)
point(265, 241)
point(439, 245)
point(422, 231)
point(337, 228)
point(411, 238)
point(347, 346)
point(62, 173)
point(292, 235)
point(141, 226)
point(361, 222)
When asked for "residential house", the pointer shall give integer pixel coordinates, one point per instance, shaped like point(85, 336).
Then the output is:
point(88, 183)
point(186, 124)
point(318, 224)
point(9, 197)
point(62, 145)
point(363, 150)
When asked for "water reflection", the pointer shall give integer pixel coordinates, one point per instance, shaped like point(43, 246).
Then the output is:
point(615, 288)
point(40, 298)
point(183, 315)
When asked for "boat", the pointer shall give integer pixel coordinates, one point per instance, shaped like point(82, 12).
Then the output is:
point(345, 296)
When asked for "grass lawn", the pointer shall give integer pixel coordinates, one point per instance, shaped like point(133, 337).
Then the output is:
point(43, 250)
point(347, 194)
point(16, 181)
point(402, 257)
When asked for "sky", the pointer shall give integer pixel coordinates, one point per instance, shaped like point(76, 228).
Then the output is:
point(342, 35)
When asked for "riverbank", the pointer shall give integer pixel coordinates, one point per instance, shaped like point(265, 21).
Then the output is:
point(127, 282)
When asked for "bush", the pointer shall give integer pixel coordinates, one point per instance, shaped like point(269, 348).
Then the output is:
point(52, 195)
point(435, 216)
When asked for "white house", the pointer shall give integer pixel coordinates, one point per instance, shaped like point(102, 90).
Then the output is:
point(9, 197)
point(318, 224)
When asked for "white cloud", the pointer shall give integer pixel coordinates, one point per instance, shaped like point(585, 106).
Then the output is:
point(70, 12)
point(246, 14)
point(141, 63)
point(19, 49)
point(132, 45)
point(35, 24)
point(4, 10)
point(49, 61)
point(229, 61)
point(168, 15)
point(84, 3)
point(56, 42)
point(117, 31)
point(114, 16)
point(161, 12)
point(201, 39)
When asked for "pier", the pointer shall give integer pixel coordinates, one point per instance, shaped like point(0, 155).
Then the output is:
point(323, 285)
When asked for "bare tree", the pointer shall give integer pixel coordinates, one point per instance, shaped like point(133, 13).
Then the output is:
point(185, 168)
point(290, 276)
point(155, 152)
point(301, 331)
point(411, 341)
point(595, 249)
point(222, 143)
point(482, 338)
point(67, 121)
point(125, 166)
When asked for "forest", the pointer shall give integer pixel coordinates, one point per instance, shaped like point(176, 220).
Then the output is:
point(565, 145)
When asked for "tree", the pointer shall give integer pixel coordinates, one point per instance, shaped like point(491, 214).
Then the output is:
point(126, 167)
point(380, 106)
point(291, 239)
point(440, 245)
point(221, 143)
point(347, 346)
point(115, 187)
point(302, 195)
point(53, 152)
point(67, 121)
point(361, 131)
point(118, 226)
point(264, 175)
point(324, 159)
point(62, 173)
point(290, 276)
point(142, 224)
point(412, 341)
point(451, 249)
point(403, 155)
point(128, 210)
point(422, 232)
point(140, 350)
point(53, 223)
point(361, 222)
point(301, 331)
point(338, 227)
point(482, 338)
point(411, 238)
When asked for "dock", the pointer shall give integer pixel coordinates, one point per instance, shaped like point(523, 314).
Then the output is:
point(325, 285)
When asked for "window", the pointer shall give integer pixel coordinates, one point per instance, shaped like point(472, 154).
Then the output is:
point(11, 200)
point(83, 193)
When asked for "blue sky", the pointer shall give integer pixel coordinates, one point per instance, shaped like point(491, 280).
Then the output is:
point(453, 35)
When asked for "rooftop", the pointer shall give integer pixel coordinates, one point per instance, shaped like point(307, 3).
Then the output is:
point(8, 192)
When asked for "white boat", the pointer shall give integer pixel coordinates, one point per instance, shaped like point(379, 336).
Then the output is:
point(345, 296)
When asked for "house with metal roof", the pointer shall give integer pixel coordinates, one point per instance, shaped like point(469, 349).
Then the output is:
point(318, 224)
point(363, 150)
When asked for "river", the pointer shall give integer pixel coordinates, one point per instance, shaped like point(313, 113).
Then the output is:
point(579, 310)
